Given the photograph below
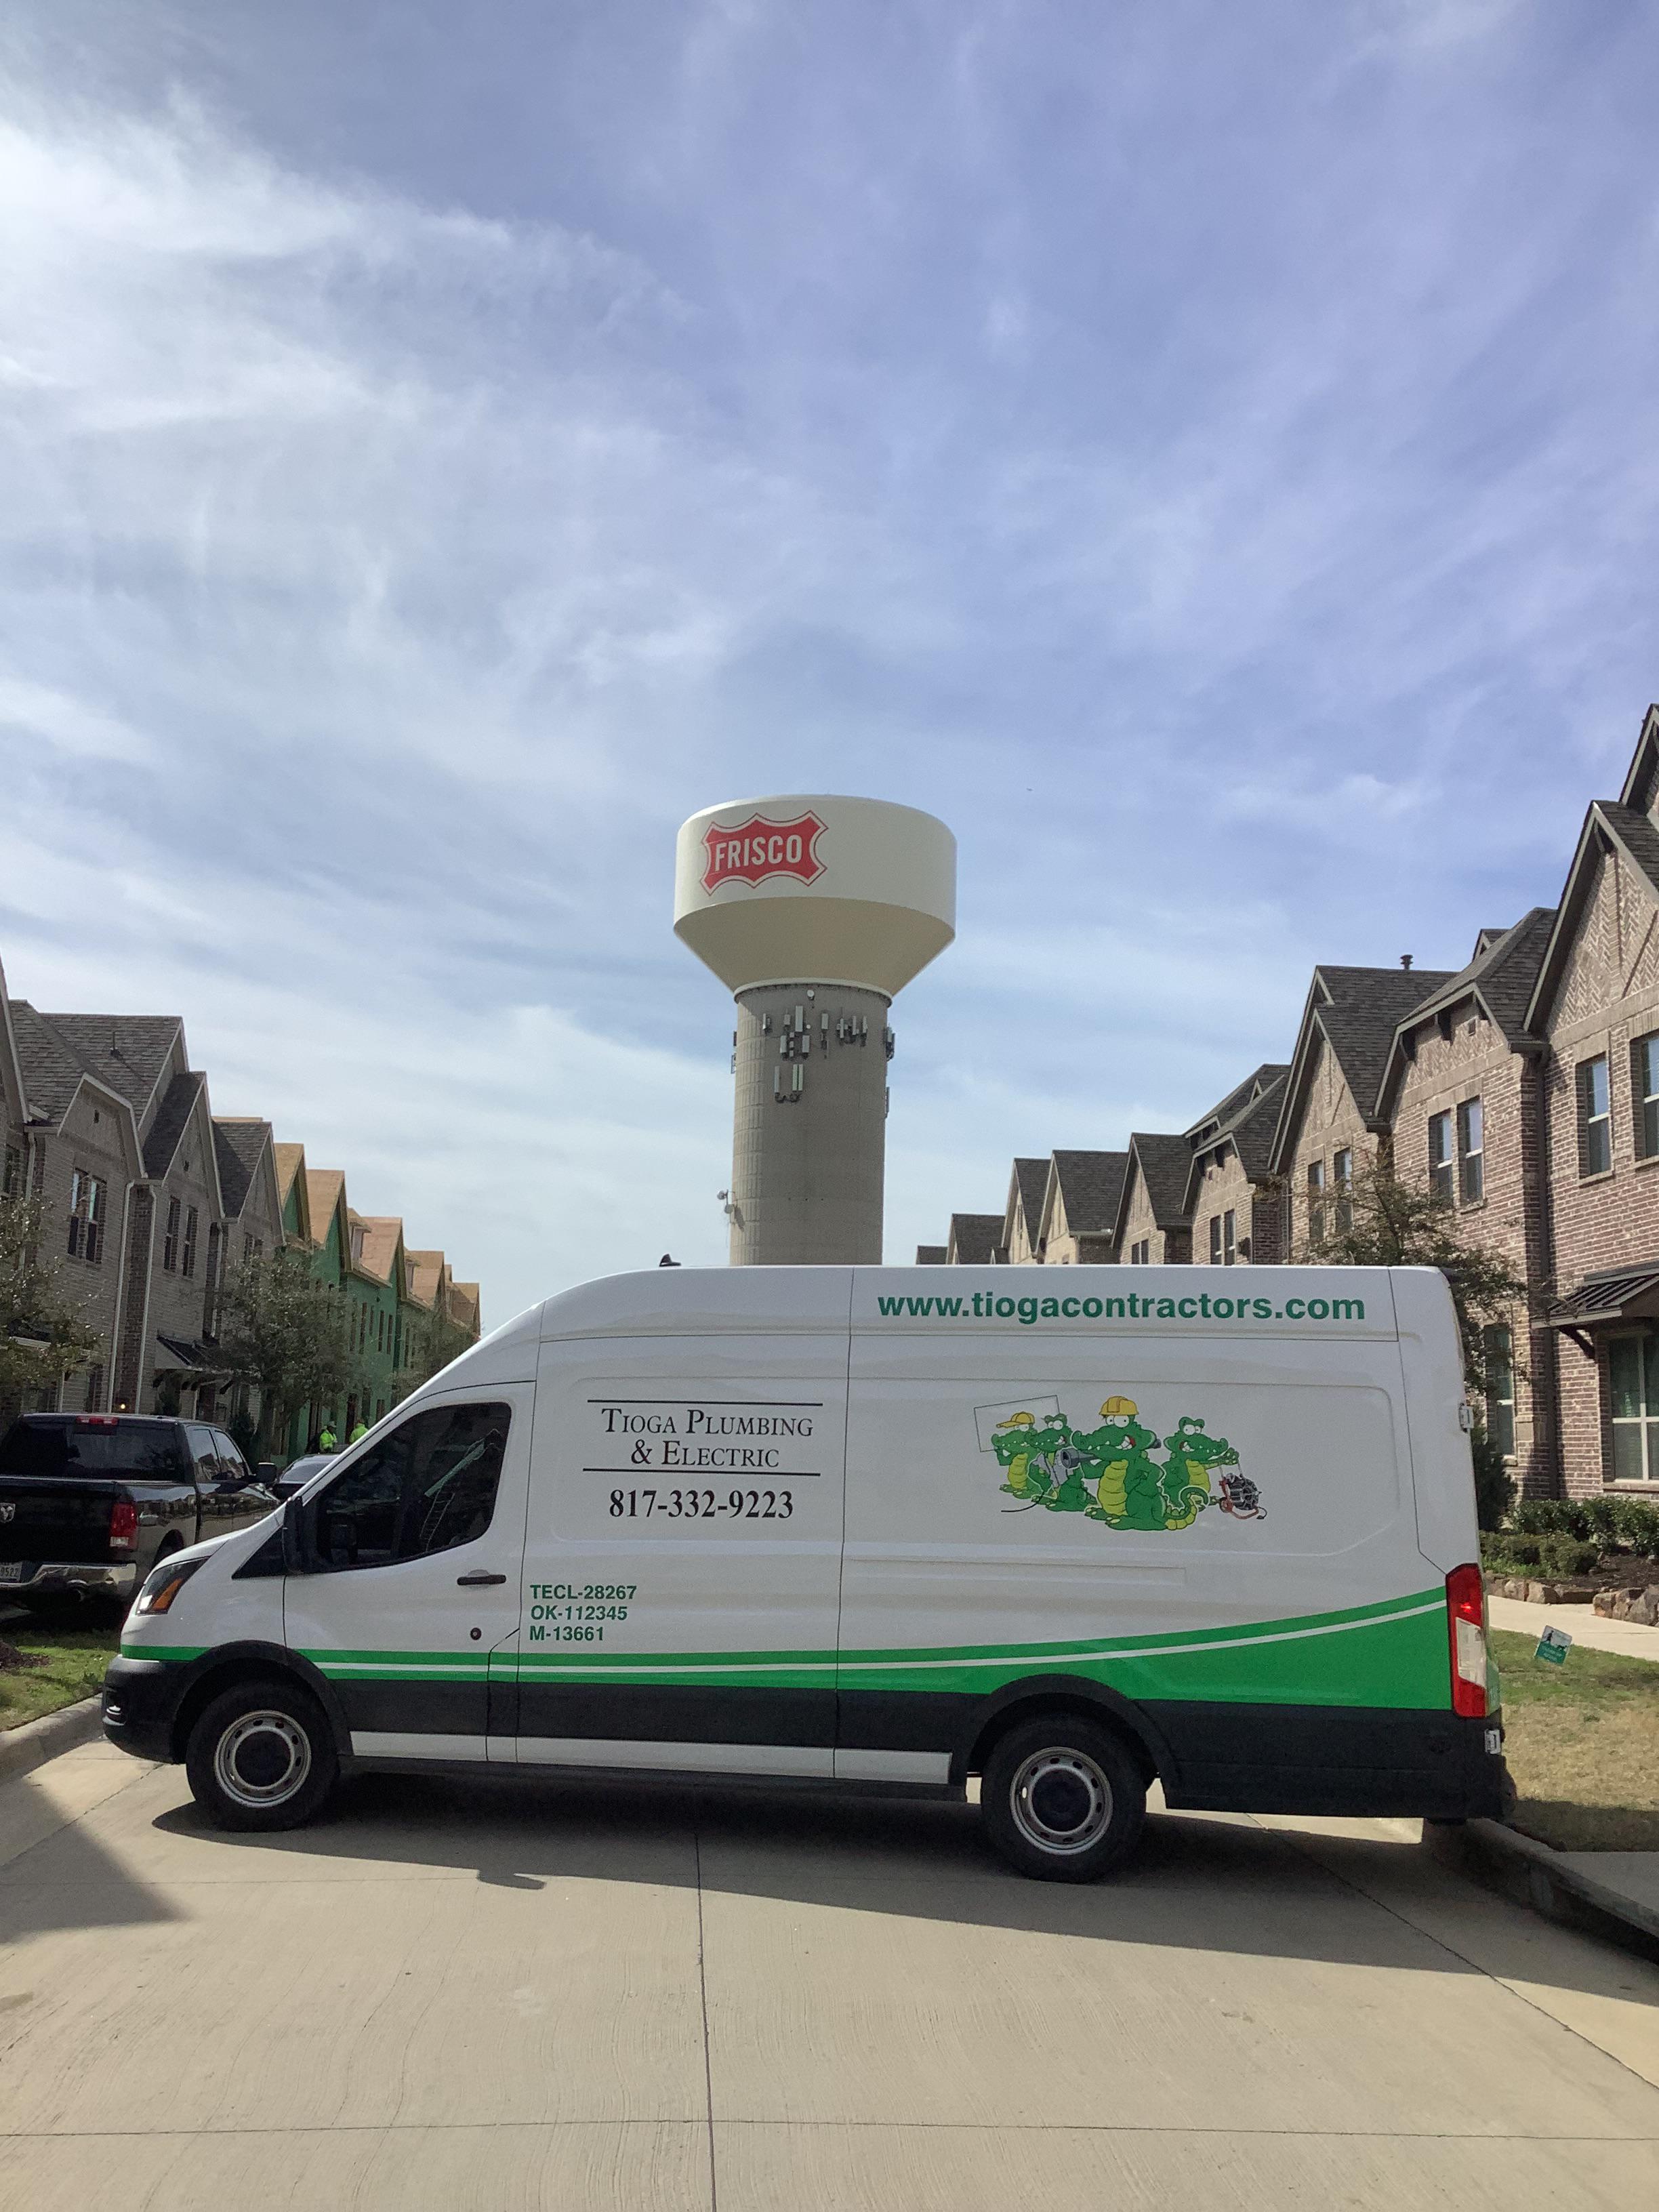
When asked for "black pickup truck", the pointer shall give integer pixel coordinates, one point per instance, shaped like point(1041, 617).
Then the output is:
point(89, 1501)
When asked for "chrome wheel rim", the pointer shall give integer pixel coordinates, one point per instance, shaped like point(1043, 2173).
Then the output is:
point(262, 1759)
point(1061, 1801)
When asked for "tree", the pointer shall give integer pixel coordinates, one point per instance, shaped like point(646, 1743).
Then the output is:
point(433, 1342)
point(1377, 1221)
point(287, 1335)
point(44, 1335)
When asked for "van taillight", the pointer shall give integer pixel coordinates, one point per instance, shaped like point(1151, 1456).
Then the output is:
point(1466, 1620)
point(123, 1525)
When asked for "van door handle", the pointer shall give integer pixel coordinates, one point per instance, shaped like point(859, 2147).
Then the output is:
point(478, 1578)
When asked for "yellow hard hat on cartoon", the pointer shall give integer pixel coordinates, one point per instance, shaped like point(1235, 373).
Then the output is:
point(1018, 1421)
point(1119, 1408)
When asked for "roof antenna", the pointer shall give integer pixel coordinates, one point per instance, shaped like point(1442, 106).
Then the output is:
point(1405, 959)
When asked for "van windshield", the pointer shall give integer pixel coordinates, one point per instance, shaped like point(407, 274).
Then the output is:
point(40, 1444)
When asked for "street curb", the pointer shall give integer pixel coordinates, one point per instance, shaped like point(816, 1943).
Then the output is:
point(1532, 1875)
point(23, 1749)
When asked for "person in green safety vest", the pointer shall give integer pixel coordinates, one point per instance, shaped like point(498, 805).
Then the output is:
point(361, 1430)
point(326, 1439)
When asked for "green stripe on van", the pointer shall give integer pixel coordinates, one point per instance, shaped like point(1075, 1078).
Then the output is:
point(1393, 1654)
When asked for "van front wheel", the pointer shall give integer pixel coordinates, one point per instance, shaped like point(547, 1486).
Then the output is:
point(261, 1757)
point(1061, 1799)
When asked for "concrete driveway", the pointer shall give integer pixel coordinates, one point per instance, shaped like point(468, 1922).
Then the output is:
point(536, 1996)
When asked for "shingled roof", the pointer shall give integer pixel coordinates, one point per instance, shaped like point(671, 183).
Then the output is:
point(128, 1052)
point(1356, 1013)
point(1026, 1187)
point(1244, 1122)
point(930, 1256)
point(51, 1073)
point(1091, 1185)
point(975, 1238)
point(1162, 1161)
point(162, 1138)
point(237, 1143)
point(1500, 978)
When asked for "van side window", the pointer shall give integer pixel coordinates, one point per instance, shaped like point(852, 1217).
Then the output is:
point(427, 1488)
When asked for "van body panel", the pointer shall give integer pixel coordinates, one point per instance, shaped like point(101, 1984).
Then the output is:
point(681, 1565)
point(1441, 1460)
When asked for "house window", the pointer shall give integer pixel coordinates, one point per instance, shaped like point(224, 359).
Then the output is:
point(1315, 1199)
point(1215, 1240)
point(1644, 1096)
point(1471, 1166)
point(1229, 1238)
point(1140, 1255)
point(1633, 1374)
point(1595, 1118)
point(170, 1237)
point(86, 1217)
point(187, 1256)
point(1440, 1157)
point(1342, 1175)
point(1500, 1388)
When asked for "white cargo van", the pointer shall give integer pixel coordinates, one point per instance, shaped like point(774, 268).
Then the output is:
point(1063, 1530)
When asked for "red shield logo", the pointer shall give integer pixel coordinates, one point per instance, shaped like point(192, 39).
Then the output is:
point(748, 852)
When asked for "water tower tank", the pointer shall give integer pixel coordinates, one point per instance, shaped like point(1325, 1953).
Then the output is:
point(814, 911)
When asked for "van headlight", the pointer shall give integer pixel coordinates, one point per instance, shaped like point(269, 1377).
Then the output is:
point(163, 1584)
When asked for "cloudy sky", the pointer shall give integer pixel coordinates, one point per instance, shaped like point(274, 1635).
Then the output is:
point(1209, 454)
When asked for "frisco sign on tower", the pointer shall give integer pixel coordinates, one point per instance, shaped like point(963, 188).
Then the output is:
point(748, 852)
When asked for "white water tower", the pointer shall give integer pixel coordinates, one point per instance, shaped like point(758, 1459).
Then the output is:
point(814, 912)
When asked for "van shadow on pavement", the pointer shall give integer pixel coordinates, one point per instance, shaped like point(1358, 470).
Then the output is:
point(1218, 1883)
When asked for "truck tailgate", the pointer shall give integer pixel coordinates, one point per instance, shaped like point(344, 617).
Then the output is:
point(65, 1521)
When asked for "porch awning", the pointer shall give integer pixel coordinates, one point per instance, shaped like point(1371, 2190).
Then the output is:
point(1629, 1295)
point(177, 1355)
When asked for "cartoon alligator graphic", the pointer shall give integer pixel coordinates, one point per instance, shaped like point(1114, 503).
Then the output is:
point(1108, 1474)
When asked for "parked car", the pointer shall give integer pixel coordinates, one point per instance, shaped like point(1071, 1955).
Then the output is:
point(284, 1482)
point(90, 1502)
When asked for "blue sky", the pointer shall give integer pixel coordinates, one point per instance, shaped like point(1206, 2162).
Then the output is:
point(1208, 454)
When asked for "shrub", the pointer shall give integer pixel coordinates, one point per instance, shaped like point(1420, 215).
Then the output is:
point(1550, 1517)
point(1507, 1554)
point(1568, 1555)
point(1635, 1524)
point(1494, 1490)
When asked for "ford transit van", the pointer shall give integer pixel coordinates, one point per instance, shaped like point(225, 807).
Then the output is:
point(1061, 1531)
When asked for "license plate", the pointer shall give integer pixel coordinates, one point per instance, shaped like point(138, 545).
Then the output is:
point(11, 1571)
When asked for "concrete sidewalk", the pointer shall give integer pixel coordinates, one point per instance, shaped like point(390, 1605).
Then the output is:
point(1627, 1638)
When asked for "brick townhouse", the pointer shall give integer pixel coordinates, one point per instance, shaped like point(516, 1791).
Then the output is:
point(1595, 1010)
point(1523, 1088)
point(1460, 1096)
point(154, 1202)
point(1232, 1196)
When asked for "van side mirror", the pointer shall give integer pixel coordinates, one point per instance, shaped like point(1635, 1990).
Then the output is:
point(295, 1560)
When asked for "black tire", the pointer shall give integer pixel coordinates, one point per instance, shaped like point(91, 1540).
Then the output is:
point(1062, 1799)
point(261, 1757)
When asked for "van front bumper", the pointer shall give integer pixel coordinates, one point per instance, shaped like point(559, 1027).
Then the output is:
point(44, 1575)
point(141, 1702)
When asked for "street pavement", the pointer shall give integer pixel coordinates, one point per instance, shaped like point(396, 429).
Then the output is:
point(507, 1995)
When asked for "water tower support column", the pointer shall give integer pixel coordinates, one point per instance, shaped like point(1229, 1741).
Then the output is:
point(809, 1133)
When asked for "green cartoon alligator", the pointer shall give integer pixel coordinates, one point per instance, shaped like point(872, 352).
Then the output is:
point(1109, 1473)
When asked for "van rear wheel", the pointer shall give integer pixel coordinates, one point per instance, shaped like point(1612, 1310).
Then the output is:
point(1062, 1800)
point(261, 1757)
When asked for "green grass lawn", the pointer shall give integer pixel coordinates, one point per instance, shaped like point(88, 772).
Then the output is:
point(75, 1656)
point(1582, 1741)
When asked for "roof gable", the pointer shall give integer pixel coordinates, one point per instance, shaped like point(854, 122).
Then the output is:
point(1500, 979)
point(1610, 826)
point(1160, 1163)
point(137, 1054)
point(239, 1144)
point(1083, 1193)
point(1026, 1185)
point(974, 1239)
point(1641, 787)
point(1352, 1012)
